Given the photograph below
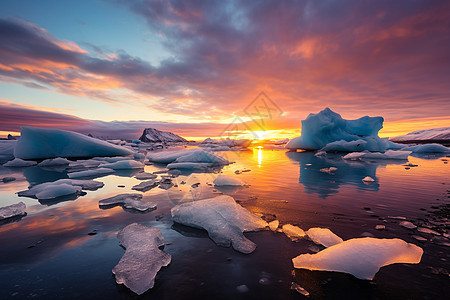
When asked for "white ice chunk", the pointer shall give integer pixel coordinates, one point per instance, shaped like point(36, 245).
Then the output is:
point(13, 210)
point(293, 232)
point(274, 225)
point(224, 180)
point(57, 190)
point(323, 236)
point(51, 162)
point(128, 201)
point(166, 157)
point(145, 185)
point(142, 260)
point(428, 148)
point(223, 218)
point(436, 134)
point(91, 173)
point(145, 176)
point(123, 165)
point(18, 163)
point(35, 143)
point(361, 257)
point(389, 154)
point(368, 179)
point(41, 188)
point(407, 224)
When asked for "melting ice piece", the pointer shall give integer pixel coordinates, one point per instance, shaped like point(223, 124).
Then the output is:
point(361, 257)
point(13, 210)
point(323, 236)
point(427, 230)
point(187, 156)
point(53, 188)
point(51, 162)
point(296, 287)
point(274, 225)
point(223, 218)
point(407, 224)
point(390, 154)
point(344, 146)
point(368, 179)
point(293, 232)
point(128, 201)
point(145, 185)
point(428, 148)
point(123, 165)
point(91, 173)
point(223, 180)
point(19, 163)
point(328, 170)
point(142, 259)
point(145, 176)
point(35, 143)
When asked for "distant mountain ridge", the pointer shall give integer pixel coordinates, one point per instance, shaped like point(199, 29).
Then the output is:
point(432, 135)
point(152, 135)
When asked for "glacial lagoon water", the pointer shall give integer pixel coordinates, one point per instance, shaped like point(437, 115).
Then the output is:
point(66, 249)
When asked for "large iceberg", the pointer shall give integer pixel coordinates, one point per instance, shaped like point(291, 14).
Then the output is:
point(38, 143)
point(143, 259)
point(326, 127)
point(361, 257)
point(223, 218)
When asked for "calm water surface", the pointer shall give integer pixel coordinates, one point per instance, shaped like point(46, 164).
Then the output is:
point(49, 253)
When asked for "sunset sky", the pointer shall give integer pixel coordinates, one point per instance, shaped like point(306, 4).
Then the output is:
point(192, 67)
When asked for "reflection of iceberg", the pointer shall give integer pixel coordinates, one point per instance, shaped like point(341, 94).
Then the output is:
point(325, 184)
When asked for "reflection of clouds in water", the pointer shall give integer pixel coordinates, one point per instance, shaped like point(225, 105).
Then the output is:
point(348, 172)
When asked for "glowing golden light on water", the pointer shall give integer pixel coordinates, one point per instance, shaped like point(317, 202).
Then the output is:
point(260, 157)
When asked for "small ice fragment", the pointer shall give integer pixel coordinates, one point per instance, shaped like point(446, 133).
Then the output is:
point(128, 201)
point(264, 281)
point(397, 218)
point(274, 225)
point(308, 165)
point(320, 153)
point(313, 248)
point(142, 260)
point(368, 179)
point(293, 232)
point(223, 180)
point(123, 165)
point(328, 170)
point(13, 210)
point(407, 224)
point(242, 288)
point(145, 176)
point(299, 289)
point(19, 163)
point(323, 236)
point(91, 173)
point(440, 240)
point(367, 234)
point(8, 179)
point(427, 230)
point(145, 185)
point(380, 227)
point(361, 257)
point(51, 162)
point(419, 238)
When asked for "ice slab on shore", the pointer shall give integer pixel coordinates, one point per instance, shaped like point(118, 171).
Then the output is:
point(91, 173)
point(223, 180)
point(390, 154)
point(223, 218)
point(142, 260)
point(293, 232)
point(427, 148)
point(54, 187)
point(19, 163)
point(361, 257)
point(52, 162)
point(326, 127)
point(13, 210)
point(133, 201)
point(123, 165)
point(37, 143)
point(323, 236)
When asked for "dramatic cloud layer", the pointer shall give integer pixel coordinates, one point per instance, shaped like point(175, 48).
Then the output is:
point(387, 58)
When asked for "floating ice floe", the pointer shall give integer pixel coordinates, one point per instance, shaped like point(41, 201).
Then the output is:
point(37, 143)
point(185, 158)
point(361, 257)
point(368, 179)
point(407, 224)
point(128, 201)
point(223, 218)
point(7, 149)
point(223, 180)
point(328, 170)
point(293, 232)
point(389, 154)
point(145, 176)
point(61, 187)
point(191, 166)
point(123, 165)
point(323, 236)
point(91, 173)
point(19, 163)
point(85, 163)
point(52, 162)
point(166, 157)
point(13, 210)
point(274, 225)
point(142, 260)
point(326, 127)
point(427, 148)
point(145, 185)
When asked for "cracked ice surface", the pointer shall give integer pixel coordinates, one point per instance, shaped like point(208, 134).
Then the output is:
point(142, 259)
point(223, 218)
